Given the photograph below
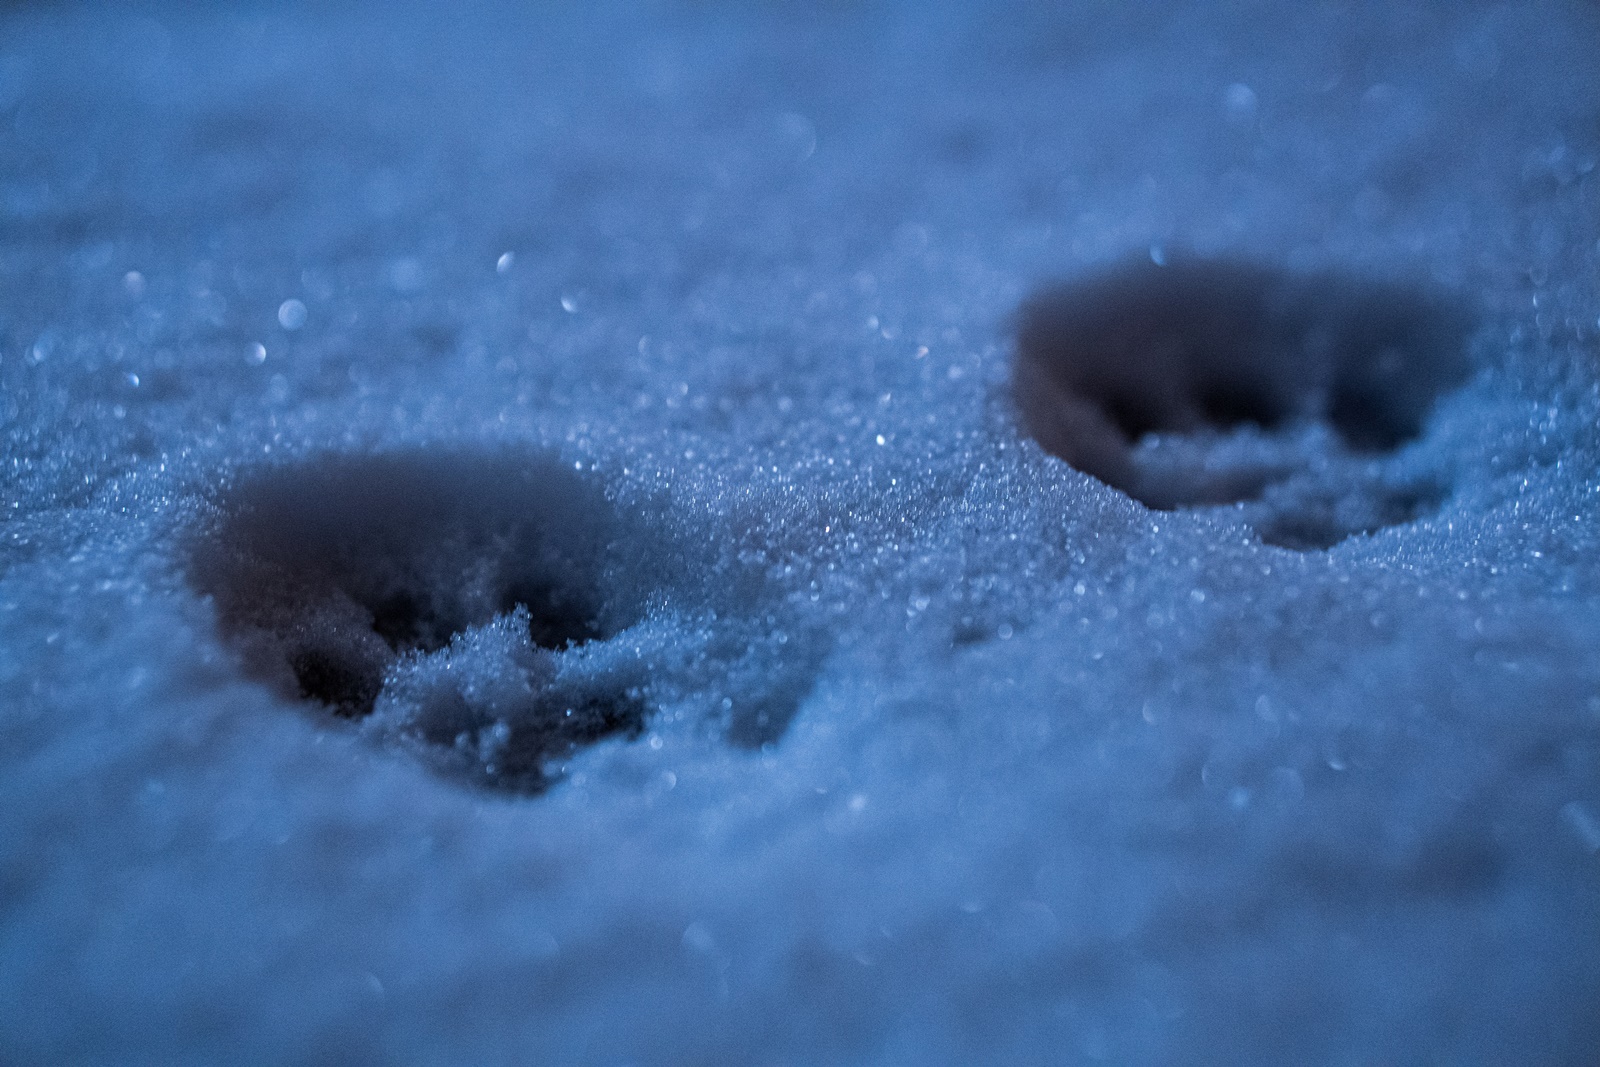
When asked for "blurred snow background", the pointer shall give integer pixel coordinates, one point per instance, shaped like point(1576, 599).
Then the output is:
point(931, 748)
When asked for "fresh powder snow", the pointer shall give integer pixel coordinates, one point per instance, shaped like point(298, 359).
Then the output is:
point(696, 532)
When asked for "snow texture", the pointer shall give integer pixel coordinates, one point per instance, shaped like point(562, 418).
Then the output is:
point(708, 532)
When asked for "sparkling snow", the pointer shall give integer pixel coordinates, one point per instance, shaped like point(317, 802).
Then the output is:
point(534, 533)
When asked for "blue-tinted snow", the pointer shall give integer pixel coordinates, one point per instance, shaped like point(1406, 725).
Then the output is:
point(952, 754)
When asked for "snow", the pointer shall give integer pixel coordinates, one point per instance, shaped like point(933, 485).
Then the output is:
point(542, 535)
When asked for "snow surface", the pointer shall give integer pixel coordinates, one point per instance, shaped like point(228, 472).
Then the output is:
point(606, 414)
